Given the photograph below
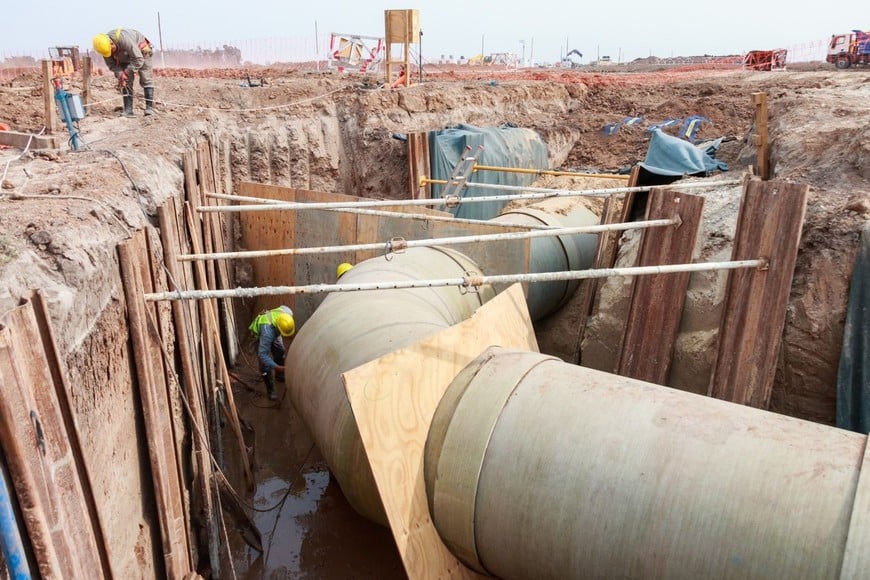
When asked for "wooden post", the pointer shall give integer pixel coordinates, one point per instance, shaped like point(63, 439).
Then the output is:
point(418, 164)
point(400, 26)
point(48, 98)
point(86, 80)
point(762, 148)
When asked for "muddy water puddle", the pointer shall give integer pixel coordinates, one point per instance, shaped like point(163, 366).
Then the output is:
point(308, 529)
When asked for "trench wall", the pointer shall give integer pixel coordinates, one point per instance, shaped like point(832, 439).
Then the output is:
point(343, 145)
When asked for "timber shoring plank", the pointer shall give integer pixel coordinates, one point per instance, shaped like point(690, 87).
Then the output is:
point(41, 462)
point(191, 382)
point(394, 399)
point(656, 305)
point(215, 225)
point(769, 226)
point(762, 148)
point(418, 165)
point(610, 213)
point(65, 406)
point(147, 360)
point(216, 365)
point(175, 407)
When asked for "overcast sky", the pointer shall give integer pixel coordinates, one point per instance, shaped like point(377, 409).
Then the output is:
point(631, 28)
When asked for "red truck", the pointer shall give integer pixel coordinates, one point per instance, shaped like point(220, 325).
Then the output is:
point(844, 50)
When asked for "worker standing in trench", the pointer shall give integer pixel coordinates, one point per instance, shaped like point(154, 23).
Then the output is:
point(271, 327)
point(127, 52)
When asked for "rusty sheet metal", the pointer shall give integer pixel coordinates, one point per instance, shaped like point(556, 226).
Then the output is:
point(657, 301)
point(769, 226)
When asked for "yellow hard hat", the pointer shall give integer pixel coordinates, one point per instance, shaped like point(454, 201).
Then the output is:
point(103, 45)
point(342, 268)
point(285, 323)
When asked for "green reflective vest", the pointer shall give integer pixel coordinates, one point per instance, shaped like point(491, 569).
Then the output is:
point(265, 318)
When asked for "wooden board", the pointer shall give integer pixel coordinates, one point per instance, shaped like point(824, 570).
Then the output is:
point(315, 228)
point(215, 223)
point(270, 230)
point(148, 361)
point(493, 258)
point(202, 503)
point(762, 148)
point(656, 303)
point(394, 399)
point(21, 140)
point(36, 444)
point(418, 165)
point(610, 213)
point(769, 226)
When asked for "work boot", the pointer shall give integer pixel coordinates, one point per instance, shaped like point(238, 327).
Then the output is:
point(149, 101)
point(270, 386)
point(128, 106)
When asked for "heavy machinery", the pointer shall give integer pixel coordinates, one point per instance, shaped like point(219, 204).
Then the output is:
point(844, 50)
point(569, 62)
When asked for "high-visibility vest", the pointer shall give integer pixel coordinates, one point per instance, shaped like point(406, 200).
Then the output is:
point(265, 318)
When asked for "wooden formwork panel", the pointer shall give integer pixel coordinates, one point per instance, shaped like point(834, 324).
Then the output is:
point(319, 228)
point(657, 300)
point(270, 230)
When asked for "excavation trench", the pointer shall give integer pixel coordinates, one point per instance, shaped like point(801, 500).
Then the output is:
point(63, 240)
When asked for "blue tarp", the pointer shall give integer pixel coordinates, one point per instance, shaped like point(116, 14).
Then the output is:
point(672, 156)
point(853, 377)
point(504, 146)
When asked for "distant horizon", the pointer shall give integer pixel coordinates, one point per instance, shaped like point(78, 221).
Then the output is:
point(542, 32)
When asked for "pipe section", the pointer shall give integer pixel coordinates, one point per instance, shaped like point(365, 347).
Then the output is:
point(350, 329)
point(535, 468)
point(554, 254)
point(10, 536)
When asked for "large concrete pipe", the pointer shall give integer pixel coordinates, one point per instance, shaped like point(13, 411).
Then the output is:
point(350, 329)
point(539, 469)
point(556, 253)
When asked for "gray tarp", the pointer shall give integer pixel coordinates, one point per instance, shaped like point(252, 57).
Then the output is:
point(504, 146)
point(853, 378)
point(672, 156)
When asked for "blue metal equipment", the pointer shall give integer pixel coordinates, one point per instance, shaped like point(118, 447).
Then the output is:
point(71, 110)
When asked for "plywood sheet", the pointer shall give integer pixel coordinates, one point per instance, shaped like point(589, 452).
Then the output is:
point(318, 228)
point(270, 230)
point(769, 226)
point(656, 305)
point(394, 399)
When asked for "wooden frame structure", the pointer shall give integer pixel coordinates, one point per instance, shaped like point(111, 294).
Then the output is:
point(401, 27)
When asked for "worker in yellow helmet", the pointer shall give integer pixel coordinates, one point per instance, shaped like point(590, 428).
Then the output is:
point(271, 327)
point(342, 270)
point(127, 52)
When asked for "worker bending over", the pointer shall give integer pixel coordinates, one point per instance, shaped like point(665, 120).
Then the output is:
point(270, 327)
point(127, 52)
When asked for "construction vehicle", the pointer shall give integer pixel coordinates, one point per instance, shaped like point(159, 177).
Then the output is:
point(569, 62)
point(844, 50)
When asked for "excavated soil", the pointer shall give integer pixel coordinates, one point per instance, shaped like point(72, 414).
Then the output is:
point(63, 212)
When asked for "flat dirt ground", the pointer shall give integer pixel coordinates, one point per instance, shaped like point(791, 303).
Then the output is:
point(55, 206)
